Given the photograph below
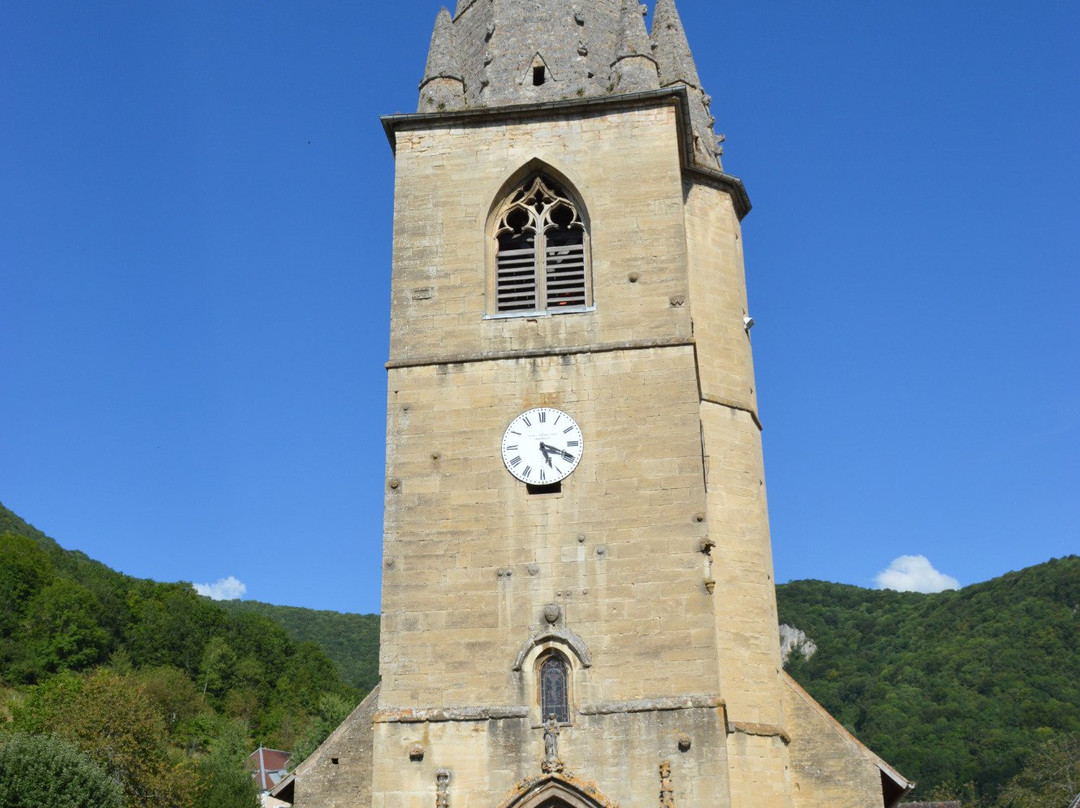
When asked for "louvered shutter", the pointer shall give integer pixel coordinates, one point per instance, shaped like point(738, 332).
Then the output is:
point(515, 274)
point(564, 268)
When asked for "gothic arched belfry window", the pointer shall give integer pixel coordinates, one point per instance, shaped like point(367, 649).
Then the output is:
point(554, 689)
point(541, 257)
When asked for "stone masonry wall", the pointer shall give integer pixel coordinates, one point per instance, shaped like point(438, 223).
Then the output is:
point(623, 165)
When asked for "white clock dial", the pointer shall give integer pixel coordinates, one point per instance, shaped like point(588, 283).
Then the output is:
point(542, 446)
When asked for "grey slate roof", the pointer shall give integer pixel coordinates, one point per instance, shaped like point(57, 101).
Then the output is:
point(495, 53)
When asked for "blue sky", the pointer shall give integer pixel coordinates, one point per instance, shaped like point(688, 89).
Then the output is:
point(195, 225)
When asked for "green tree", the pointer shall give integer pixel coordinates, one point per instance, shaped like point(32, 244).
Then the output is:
point(179, 703)
point(38, 771)
point(170, 625)
point(24, 570)
point(62, 632)
point(1049, 779)
point(333, 708)
point(224, 781)
point(112, 720)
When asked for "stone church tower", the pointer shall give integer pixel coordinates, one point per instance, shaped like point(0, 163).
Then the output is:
point(578, 605)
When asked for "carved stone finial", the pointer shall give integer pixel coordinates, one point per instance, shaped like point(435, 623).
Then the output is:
point(667, 791)
point(551, 763)
point(442, 785)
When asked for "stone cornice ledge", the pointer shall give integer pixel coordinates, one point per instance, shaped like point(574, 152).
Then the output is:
point(764, 730)
point(530, 353)
point(694, 702)
point(423, 715)
point(596, 104)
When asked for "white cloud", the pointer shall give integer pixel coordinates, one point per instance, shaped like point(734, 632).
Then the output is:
point(223, 589)
point(914, 574)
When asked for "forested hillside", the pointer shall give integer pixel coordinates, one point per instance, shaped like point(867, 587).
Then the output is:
point(162, 688)
point(351, 640)
point(958, 689)
point(973, 693)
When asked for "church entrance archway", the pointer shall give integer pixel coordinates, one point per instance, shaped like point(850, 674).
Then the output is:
point(556, 791)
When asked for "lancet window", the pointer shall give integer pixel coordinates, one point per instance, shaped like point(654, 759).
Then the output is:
point(541, 259)
point(554, 689)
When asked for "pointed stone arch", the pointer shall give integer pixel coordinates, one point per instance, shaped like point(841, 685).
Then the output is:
point(569, 642)
point(546, 168)
point(539, 253)
point(560, 790)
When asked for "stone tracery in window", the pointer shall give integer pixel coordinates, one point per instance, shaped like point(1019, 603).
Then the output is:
point(541, 260)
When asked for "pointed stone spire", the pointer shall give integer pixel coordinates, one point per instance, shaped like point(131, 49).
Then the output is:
point(634, 68)
point(671, 49)
point(676, 66)
point(442, 87)
point(633, 38)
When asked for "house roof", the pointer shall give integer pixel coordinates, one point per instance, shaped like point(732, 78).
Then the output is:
point(268, 767)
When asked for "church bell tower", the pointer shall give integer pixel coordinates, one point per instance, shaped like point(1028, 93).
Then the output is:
point(578, 604)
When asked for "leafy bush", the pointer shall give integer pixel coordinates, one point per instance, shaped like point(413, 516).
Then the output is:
point(38, 771)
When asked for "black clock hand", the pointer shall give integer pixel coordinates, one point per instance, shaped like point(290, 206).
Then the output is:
point(544, 448)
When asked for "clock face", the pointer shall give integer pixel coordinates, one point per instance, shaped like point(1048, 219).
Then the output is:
point(542, 446)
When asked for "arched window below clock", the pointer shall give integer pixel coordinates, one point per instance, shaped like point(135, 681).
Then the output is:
point(540, 242)
point(553, 674)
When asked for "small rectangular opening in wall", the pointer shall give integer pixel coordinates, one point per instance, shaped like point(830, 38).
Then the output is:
point(538, 75)
point(334, 761)
point(553, 488)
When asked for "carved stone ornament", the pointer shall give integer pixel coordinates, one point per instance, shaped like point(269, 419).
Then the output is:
point(667, 791)
point(551, 762)
point(442, 785)
point(552, 613)
point(416, 752)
